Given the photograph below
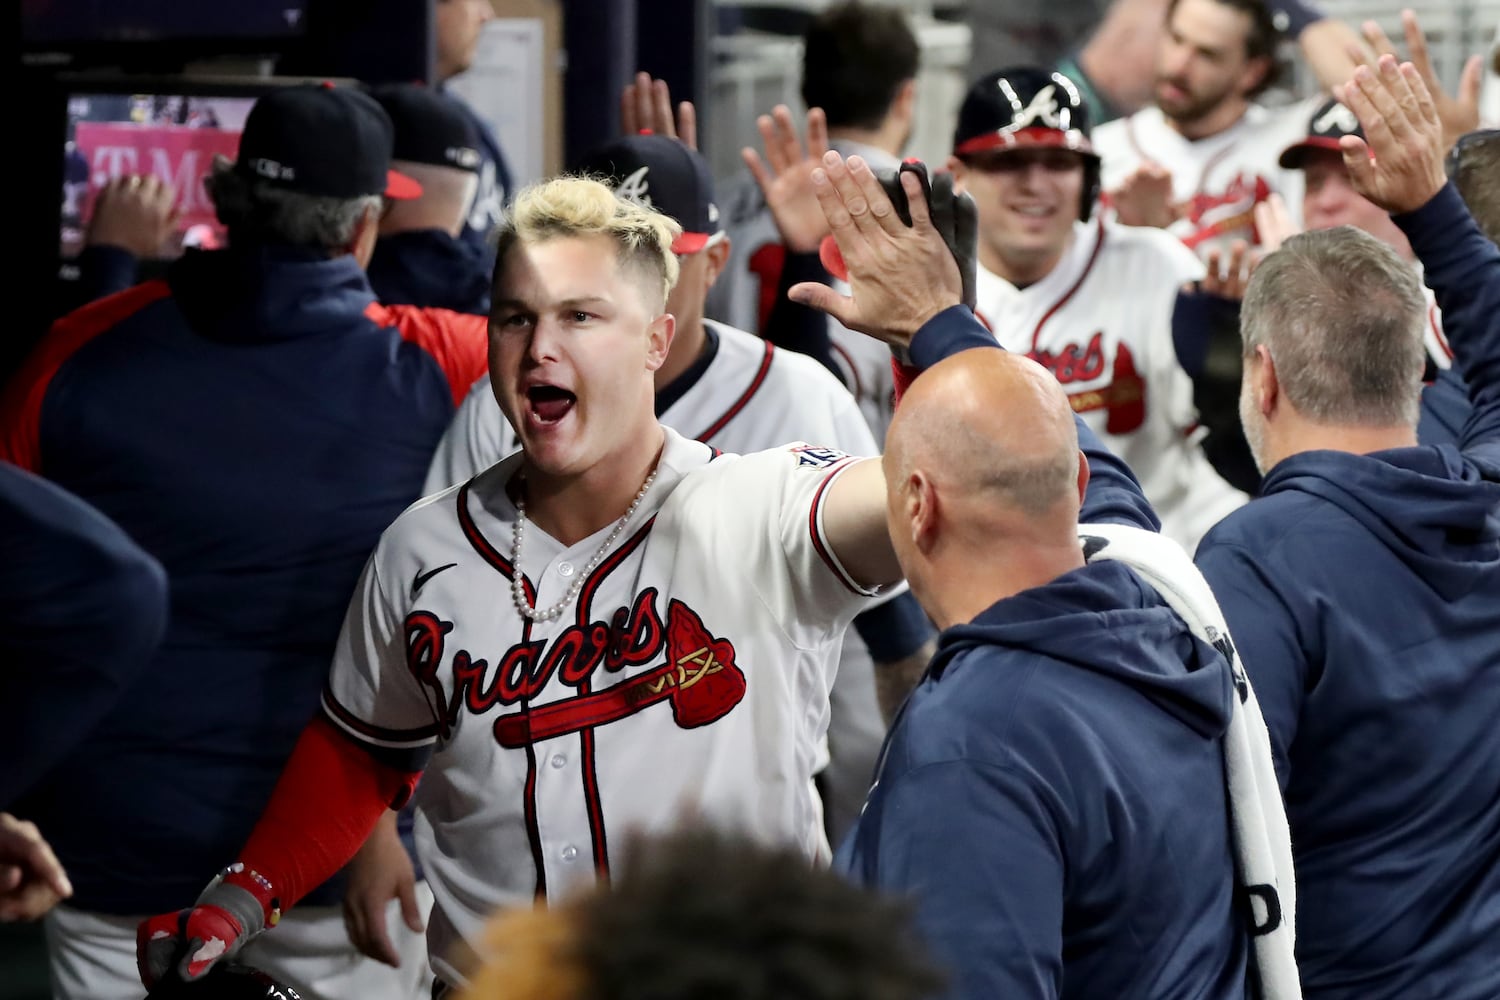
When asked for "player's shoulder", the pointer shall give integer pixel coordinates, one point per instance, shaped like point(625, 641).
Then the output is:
point(1148, 249)
point(480, 500)
point(1116, 135)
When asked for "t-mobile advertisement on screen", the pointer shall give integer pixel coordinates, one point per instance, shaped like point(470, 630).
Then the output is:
point(172, 137)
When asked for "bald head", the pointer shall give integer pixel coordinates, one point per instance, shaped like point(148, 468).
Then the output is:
point(991, 427)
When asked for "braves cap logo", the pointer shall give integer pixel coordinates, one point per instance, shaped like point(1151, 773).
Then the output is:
point(636, 188)
point(1043, 108)
point(1336, 118)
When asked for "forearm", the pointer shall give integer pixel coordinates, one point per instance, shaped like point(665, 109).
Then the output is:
point(325, 806)
point(1325, 45)
point(1462, 268)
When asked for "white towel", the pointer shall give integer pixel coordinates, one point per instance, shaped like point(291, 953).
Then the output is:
point(1262, 842)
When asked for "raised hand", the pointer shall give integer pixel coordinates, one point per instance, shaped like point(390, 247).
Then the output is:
point(1273, 223)
point(899, 276)
point(1458, 113)
point(785, 175)
point(1228, 278)
point(1398, 164)
point(646, 106)
point(1145, 199)
point(135, 213)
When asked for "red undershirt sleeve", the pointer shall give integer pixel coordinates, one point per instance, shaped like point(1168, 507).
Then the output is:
point(324, 807)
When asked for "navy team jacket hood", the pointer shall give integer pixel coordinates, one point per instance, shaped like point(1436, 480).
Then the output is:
point(269, 293)
point(1079, 619)
point(1429, 507)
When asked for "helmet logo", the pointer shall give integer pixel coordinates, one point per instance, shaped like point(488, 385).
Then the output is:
point(1338, 117)
point(1043, 108)
point(635, 188)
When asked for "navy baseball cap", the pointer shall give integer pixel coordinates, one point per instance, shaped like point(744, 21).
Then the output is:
point(1019, 107)
point(322, 140)
point(1330, 123)
point(430, 127)
point(662, 174)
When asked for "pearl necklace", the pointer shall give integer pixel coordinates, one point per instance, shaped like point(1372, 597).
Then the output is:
point(518, 587)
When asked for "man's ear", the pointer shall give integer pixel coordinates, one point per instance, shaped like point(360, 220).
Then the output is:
point(718, 259)
point(366, 232)
point(1264, 384)
point(905, 104)
point(922, 510)
point(959, 171)
point(1255, 73)
point(1083, 476)
point(659, 340)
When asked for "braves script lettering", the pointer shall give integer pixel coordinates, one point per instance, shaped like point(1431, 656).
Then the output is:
point(698, 679)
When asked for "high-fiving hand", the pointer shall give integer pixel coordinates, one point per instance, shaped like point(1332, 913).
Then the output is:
point(899, 276)
point(1398, 164)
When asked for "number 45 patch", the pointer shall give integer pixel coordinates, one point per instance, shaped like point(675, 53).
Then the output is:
point(811, 456)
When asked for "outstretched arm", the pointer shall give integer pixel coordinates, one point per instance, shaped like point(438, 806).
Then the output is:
point(1399, 166)
point(906, 289)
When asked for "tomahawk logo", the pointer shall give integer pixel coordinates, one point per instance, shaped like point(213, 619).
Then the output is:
point(1336, 119)
point(635, 188)
point(1043, 108)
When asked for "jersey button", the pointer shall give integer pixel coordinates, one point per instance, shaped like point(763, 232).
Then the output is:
point(569, 853)
point(565, 569)
point(558, 760)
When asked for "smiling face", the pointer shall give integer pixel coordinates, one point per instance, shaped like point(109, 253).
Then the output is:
point(575, 335)
point(1027, 200)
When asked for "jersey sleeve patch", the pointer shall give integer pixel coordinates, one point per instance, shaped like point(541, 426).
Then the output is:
point(811, 456)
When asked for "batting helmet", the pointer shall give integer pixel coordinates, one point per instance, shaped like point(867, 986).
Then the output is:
point(1026, 106)
point(226, 981)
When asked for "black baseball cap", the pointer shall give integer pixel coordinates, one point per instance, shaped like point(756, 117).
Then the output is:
point(662, 174)
point(430, 127)
point(226, 981)
point(1330, 123)
point(322, 140)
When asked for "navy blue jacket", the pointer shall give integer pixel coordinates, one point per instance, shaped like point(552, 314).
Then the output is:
point(253, 422)
point(429, 268)
point(81, 610)
point(1364, 593)
point(1052, 793)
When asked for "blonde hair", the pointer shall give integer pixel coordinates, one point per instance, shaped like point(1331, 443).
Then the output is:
point(580, 206)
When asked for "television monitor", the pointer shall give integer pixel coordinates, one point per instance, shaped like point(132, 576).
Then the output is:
point(171, 129)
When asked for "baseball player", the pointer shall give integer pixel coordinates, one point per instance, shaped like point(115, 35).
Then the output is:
point(613, 629)
point(1198, 160)
point(737, 393)
point(1089, 299)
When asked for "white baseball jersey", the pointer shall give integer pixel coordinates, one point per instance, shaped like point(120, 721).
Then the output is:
point(751, 396)
point(1222, 177)
point(1101, 322)
point(688, 679)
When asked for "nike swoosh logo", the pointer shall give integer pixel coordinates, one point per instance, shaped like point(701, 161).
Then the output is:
point(420, 580)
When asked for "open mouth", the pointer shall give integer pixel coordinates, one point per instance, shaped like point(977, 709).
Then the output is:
point(549, 403)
